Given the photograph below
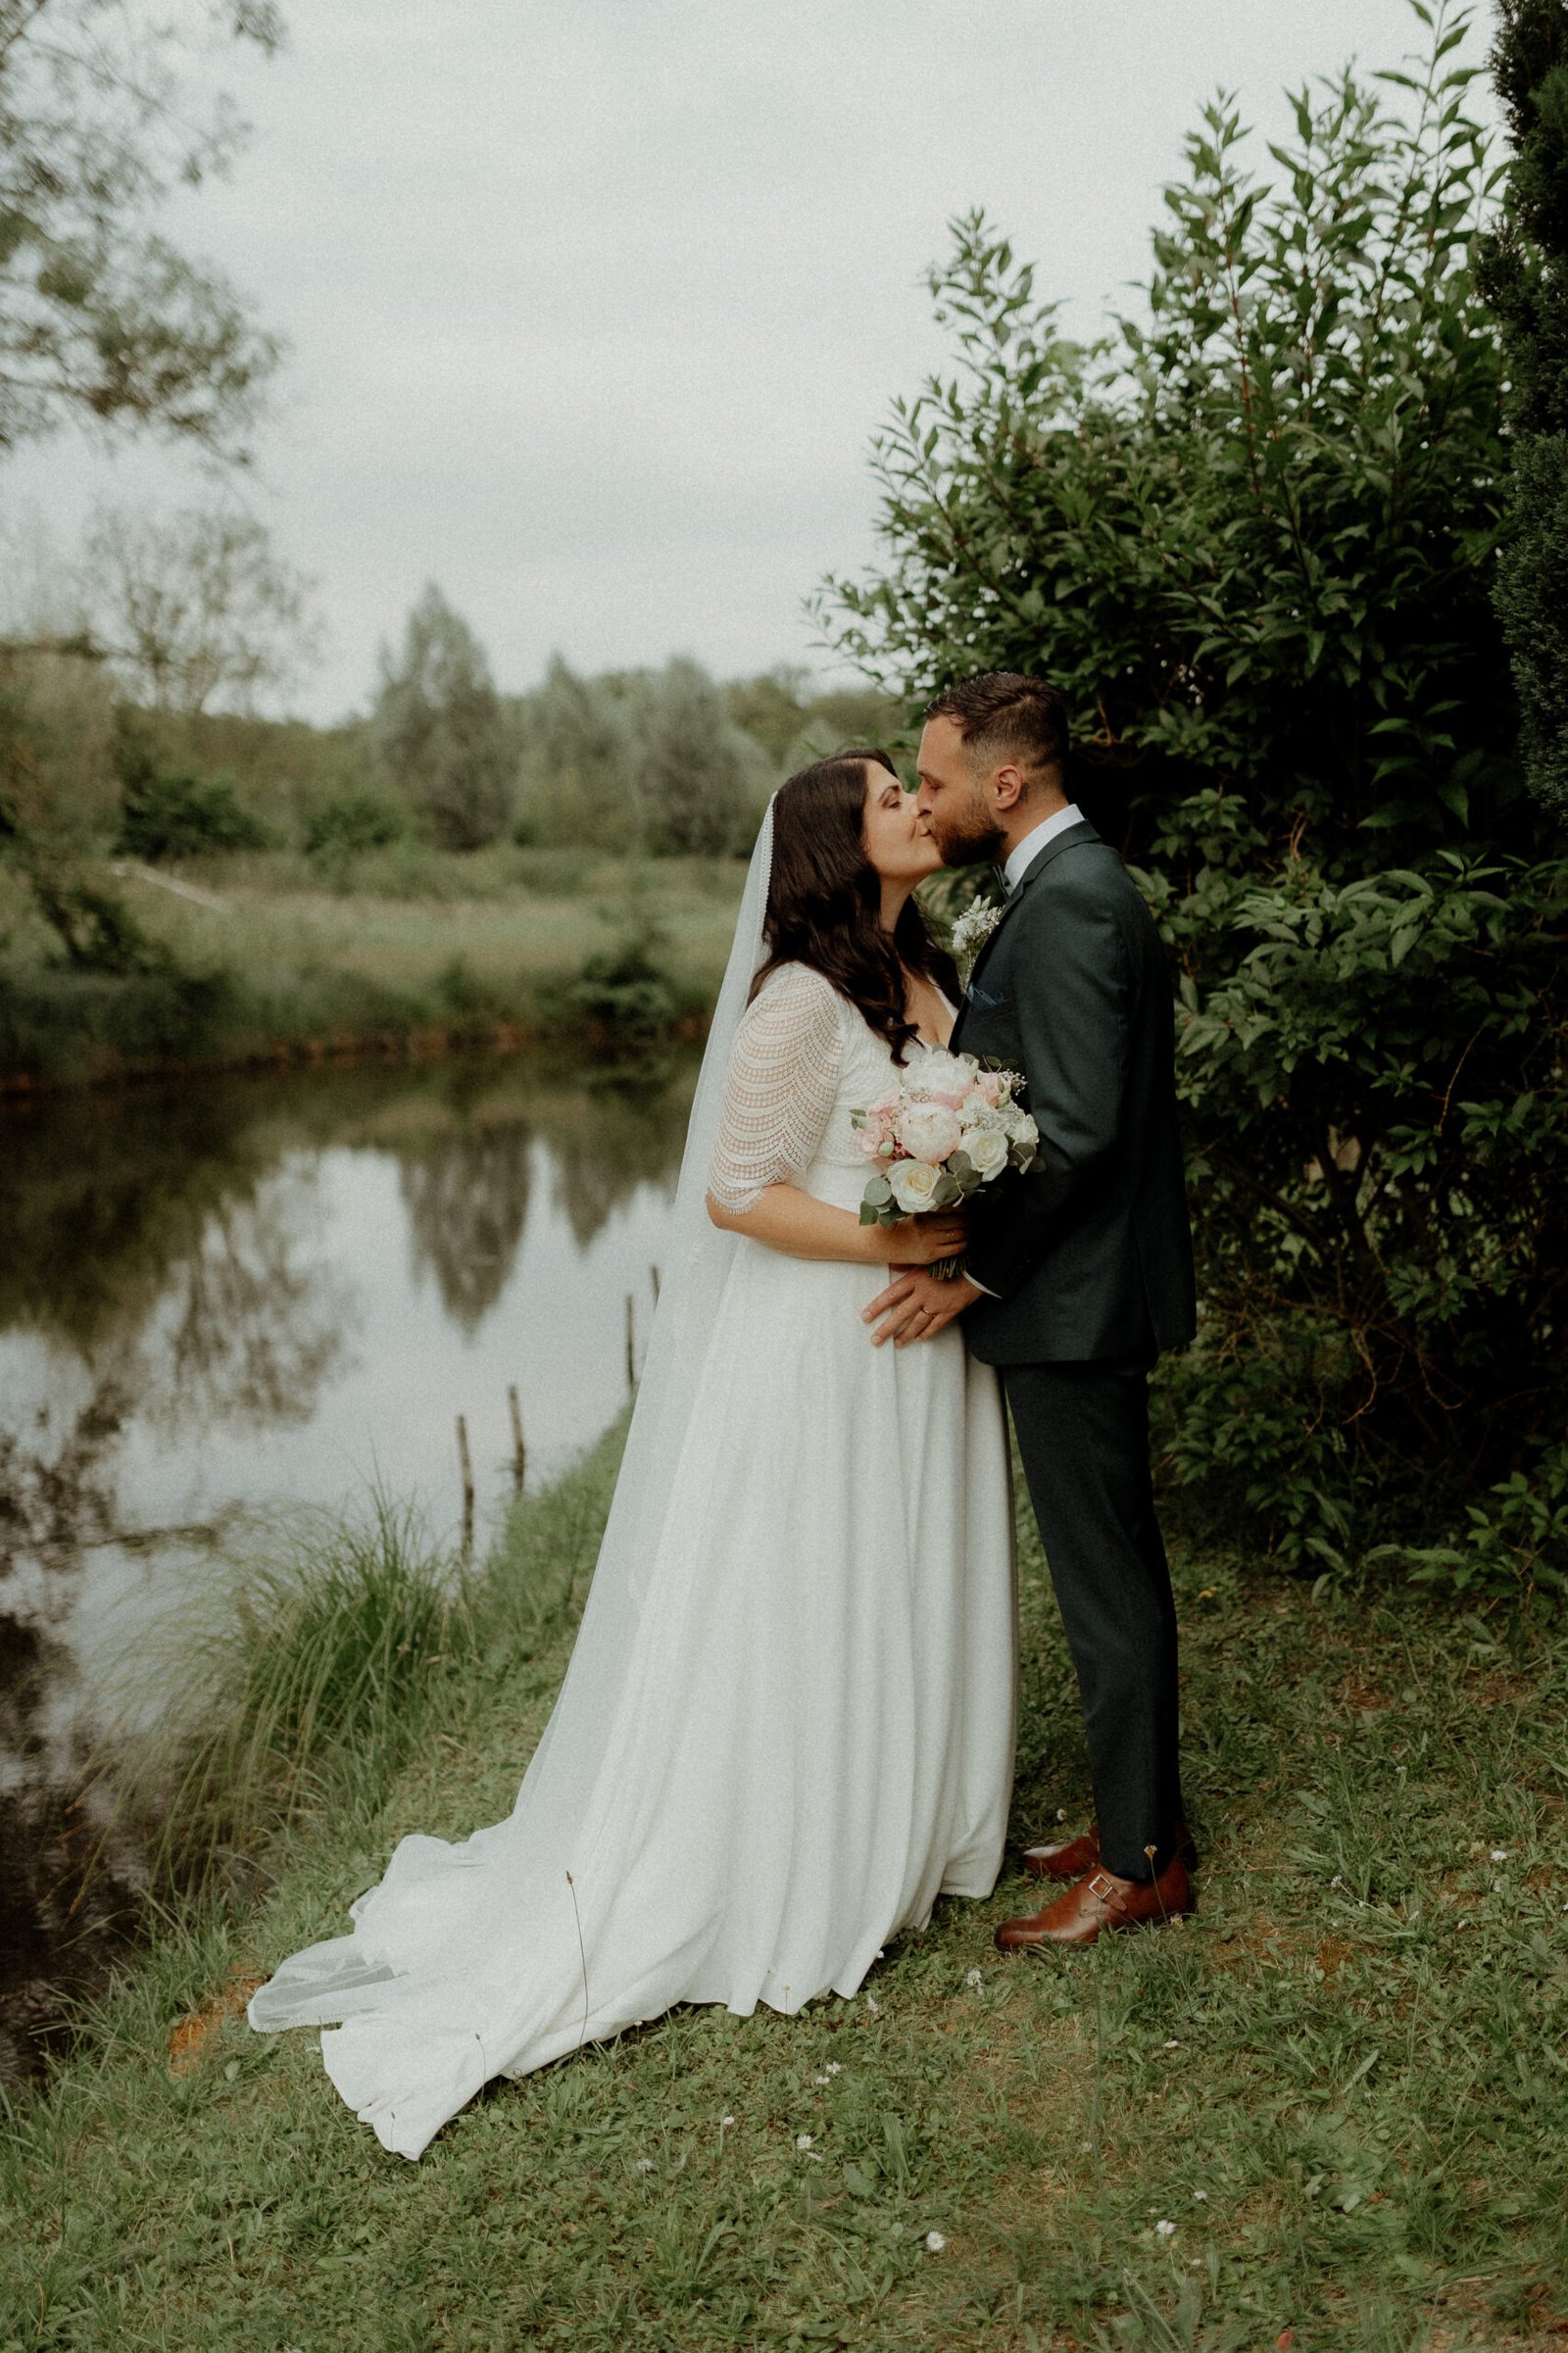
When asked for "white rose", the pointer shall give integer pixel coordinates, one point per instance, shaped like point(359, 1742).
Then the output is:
point(938, 1072)
point(1021, 1129)
point(913, 1183)
point(988, 1154)
point(930, 1131)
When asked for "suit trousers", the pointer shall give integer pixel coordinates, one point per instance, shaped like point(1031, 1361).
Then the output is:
point(1083, 1436)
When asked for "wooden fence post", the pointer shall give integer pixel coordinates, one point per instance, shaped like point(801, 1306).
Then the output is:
point(519, 1453)
point(466, 1468)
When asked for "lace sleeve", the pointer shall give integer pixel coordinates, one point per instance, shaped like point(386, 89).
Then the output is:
point(783, 1077)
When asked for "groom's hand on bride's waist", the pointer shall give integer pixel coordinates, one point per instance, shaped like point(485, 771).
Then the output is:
point(917, 1304)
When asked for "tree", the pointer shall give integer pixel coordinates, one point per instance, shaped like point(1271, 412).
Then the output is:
point(1525, 272)
point(195, 606)
point(579, 788)
point(440, 731)
point(101, 317)
point(703, 781)
point(1252, 537)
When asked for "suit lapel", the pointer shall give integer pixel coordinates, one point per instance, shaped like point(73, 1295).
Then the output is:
point(1068, 839)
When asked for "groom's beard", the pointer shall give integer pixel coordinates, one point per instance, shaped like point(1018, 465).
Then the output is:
point(968, 837)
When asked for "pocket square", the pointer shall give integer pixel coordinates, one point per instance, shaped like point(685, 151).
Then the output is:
point(985, 999)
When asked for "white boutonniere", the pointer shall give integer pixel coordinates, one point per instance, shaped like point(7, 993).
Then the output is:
point(971, 932)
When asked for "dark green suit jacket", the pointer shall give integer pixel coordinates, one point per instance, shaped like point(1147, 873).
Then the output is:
point(1091, 1252)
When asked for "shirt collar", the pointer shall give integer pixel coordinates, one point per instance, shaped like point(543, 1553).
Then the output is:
point(1023, 855)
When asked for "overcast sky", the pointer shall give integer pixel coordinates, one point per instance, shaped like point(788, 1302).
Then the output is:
point(594, 305)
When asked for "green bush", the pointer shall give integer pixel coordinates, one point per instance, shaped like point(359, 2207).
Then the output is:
point(171, 813)
point(624, 989)
point(1252, 537)
point(353, 822)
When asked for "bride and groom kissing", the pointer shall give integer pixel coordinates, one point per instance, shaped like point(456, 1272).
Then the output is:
point(788, 1724)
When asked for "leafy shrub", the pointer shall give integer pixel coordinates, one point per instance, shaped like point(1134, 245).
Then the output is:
point(624, 989)
point(1516, 1541)
point(353, 822)
point(1253, 536)
point(461, 992)
point(173, 816)
point(166, 814)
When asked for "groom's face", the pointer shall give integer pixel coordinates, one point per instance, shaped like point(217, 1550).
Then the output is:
point(959, 813)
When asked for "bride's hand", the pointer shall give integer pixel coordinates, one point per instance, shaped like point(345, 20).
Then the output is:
point(922, 1241)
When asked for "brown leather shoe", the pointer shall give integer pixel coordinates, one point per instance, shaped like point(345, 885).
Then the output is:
point(1072, 1857)
point(1099, 1904)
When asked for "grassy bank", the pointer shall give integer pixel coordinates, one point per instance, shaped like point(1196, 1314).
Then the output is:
point(1343, 2082)
point(263, 955)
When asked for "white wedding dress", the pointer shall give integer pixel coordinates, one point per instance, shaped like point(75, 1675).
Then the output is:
point(788, 1725)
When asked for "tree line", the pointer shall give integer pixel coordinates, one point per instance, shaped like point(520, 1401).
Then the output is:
point(665, 762)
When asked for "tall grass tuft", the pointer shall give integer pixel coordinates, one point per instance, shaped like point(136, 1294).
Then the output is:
point(340, 1648)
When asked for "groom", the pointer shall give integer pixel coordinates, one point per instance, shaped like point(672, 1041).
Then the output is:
point(1079, 1273)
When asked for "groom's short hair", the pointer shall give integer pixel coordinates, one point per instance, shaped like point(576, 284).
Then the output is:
point(1002, 715)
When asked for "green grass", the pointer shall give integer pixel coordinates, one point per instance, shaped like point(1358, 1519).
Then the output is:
point(1343, 2080)
point(420, 946)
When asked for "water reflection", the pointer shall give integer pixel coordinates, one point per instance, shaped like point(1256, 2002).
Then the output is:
point(466, 1196)
point(231, 1296)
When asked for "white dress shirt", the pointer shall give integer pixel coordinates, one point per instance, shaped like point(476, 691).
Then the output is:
point(1023, 855)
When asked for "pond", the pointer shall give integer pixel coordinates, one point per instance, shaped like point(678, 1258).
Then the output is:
point(230, 1299)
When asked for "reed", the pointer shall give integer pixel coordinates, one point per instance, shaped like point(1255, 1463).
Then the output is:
point(307, 1690)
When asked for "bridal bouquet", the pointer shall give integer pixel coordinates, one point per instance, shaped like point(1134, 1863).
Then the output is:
point(950, 1128)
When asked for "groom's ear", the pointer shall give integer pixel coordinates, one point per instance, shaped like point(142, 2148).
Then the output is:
point(1009, 786)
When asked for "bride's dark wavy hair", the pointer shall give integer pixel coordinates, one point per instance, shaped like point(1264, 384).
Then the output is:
point(824, 899)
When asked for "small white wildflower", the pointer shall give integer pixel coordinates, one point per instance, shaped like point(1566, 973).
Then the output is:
point(1336, 1881)
point(803, 2140)
point(835, 2067)
point(724, 2122)
point(1061, 1813)
point(1200, 2196)
point(873, 2005)
point(1173, 2045)
point(1498, 1887)
point(935, 2243)
point(1166, 2230)
point(645, 2165)
point(1499, 1854)
point(822, 2078)
point(975, 1979)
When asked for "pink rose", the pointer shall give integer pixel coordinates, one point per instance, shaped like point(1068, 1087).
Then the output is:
point(874, 1136)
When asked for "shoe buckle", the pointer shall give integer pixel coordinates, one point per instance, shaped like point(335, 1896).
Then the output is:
point(1105, 1889)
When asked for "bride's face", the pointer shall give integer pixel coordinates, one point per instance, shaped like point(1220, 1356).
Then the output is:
point(896, 842)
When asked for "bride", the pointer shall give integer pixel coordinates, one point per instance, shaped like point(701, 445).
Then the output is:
point(788, 1722)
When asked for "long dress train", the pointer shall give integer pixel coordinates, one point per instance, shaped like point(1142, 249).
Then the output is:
point(809, 1733)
